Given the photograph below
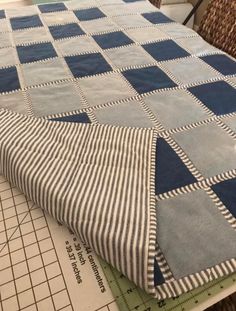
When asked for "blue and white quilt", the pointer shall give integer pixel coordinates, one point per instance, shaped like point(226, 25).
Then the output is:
point(140, 159)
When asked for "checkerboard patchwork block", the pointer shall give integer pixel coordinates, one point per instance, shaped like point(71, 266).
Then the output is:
point(221, 62)
point(124, 63)
point(165, 50)
point(53, 7)
point(148, 79)
point(87, 65)
point(89, 14)
point(9, 80)
point(112, 40)
point(25, 22)
point(171, 172)
point(217, 96)
point(64, 31)
point(225, 191)
point(35, 52)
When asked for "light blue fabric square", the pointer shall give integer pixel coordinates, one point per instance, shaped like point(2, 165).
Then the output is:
point(124, 114)
point(209, 147)
point(191, 227)
point(53, 99)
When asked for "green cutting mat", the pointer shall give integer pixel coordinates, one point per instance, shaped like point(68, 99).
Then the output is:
point(131, 298)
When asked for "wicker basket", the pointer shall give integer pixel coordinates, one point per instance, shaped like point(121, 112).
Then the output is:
point(218, 25)
point(157, 3)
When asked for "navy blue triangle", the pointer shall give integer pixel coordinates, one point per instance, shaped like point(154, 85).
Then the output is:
point(78, 118)
point(158, 276)
point(171, 172)
point(226, 191)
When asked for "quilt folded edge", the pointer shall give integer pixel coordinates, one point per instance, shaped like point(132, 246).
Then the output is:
point(99, 180)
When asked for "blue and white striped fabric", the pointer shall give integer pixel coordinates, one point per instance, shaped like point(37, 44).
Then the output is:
point(95, 179)
point(140, 158)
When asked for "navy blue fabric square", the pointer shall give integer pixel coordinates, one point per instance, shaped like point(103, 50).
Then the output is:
point(87, 65)
point(65, 31)
point(54, 7)
point(2, 14)
point(165, 50)
point(112, 40)
point(35, 52)
point(25, 22)
point(219, 97)
point(225, 190)
point(171, 172)
point(89, 14)
point(76, 118)
point(148, 79)
point(9, 79)
point(157, 18)
point(222, 63)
